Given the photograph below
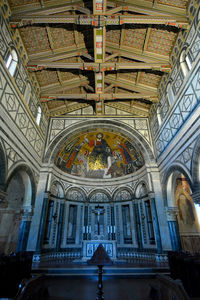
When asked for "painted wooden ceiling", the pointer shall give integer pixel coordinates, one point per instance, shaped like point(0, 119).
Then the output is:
point(99, 56)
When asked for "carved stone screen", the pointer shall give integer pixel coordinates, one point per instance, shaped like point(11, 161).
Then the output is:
point(99, 154)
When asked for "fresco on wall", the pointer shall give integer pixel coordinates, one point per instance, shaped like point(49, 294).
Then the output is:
point(187, 218)
point(99, 154)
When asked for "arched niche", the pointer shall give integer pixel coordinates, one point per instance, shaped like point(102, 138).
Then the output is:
point(27, 175)
point(99, 196)
point(75, 194)
point(15, 222)
point(169, 180)
point(57, 190)
point(187, 217)
point(123, 194)
point(141, 190)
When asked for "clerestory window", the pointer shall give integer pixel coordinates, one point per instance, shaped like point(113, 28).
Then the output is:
point(11, 62)
point(39, 114)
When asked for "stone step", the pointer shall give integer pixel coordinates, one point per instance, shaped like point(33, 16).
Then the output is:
point(107, 271)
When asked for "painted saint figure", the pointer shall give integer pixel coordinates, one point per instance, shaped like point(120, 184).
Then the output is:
point(98, 158)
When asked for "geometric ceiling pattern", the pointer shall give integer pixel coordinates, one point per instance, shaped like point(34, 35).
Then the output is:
point(99, 54)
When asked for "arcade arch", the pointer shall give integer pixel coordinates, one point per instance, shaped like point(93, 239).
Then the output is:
point(20, 190)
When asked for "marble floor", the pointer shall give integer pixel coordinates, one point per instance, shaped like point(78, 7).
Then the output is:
point(85, 289)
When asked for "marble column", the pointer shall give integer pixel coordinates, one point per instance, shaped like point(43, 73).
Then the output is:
point(138, 225)
point(42, 223)
point(171, 213)
point(60, 224)
point(24, 231)
point(156, 225)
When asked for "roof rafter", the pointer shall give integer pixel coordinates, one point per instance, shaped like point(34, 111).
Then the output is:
point(147, 7)
point(129, 85)
point(66, 85)
point(64, 110)
point(136, 54)
point(133, 110)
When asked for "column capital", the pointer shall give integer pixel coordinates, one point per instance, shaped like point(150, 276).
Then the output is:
point(171, 213)
point(47, 194)
point(27, 213)
point(151, 195)
point(196, 197)
point(27, 216)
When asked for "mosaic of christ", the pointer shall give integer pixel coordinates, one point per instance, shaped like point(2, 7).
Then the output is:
point(99, 154)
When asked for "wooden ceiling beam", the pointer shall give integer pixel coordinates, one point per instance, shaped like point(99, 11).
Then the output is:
point(66, 85)
point(58, 54)
point(55, 10)
point(136, 9)
point(89, 87)
point(49, 7)
point(97, 67)
point(96, 96)
point(111, 56)
point(129, 85)
point(109, 87)
point(147, 7)
point(128, 52)
point(27, 20)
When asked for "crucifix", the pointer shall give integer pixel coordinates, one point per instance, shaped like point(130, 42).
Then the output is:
point(98, 211)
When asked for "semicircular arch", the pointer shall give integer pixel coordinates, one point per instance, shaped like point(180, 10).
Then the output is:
point(168, 182)
point(24, 170)
point(116, 126)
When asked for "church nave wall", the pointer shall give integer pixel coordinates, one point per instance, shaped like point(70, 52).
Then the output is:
point(21, 139)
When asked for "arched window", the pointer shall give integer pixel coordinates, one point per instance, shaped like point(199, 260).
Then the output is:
point(27, 93)
point(170, 94)
point(39, 114)
point(159, 115)
point(11, 62)
point(185, 62)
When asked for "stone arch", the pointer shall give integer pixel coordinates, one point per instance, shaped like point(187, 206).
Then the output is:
point(98, 196)
point(141, 189)
point(195, 165)
point(75, 194)
point(89, 125)
point(16, 220)
point(25, 171)
point(57, 189)
point(185, 60)
point(168, 183)
point(123, 194)
point(3, 168)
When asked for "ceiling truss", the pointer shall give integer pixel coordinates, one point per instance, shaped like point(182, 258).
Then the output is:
point(107, 62)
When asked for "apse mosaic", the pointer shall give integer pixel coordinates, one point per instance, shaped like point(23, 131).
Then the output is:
point(99, 154)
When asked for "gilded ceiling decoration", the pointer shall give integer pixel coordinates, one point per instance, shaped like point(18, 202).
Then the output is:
point(99, 154)
point(99, 52)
